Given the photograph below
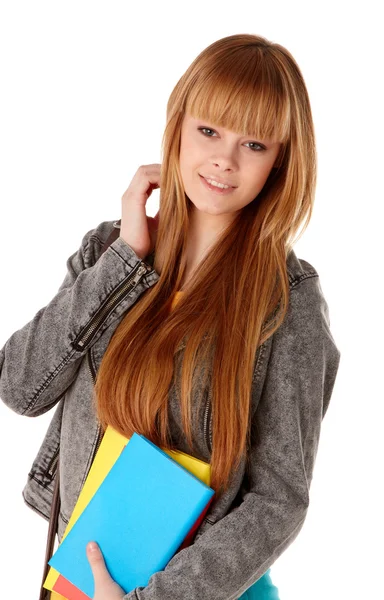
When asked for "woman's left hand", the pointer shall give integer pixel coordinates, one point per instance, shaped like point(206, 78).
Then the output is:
point(105, 587)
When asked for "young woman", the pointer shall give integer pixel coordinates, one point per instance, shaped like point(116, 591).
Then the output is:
point(199, 328)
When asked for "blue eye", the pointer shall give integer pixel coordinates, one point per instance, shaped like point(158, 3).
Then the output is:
point(259, 149)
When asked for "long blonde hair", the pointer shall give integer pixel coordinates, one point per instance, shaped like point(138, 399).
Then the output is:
point(238, 296)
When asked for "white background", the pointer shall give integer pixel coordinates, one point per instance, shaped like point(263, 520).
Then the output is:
point(84, 87)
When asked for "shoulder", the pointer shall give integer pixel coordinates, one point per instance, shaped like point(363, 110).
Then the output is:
point(299, 269)
point(308, 311)
point(305, 292)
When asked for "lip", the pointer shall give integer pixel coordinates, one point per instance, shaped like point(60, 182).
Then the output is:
point(218, 180)
point(216, 190)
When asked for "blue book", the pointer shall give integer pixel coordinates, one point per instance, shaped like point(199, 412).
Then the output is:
point(139, 516)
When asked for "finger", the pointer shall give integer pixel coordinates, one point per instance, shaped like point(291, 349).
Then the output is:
point(96, 560)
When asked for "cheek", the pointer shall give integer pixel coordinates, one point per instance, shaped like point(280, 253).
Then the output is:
point(189, 163)
point(184, 170)
point(261, 176)
point(187, 173)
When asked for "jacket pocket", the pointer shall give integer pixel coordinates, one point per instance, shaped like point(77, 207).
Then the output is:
point(53, 464)
point(38, 491)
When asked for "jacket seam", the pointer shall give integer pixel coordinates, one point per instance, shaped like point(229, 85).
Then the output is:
point(101, 242)
point(97, 238)
point(50, 377)
point(51, 461)
point(46, 485)
point(63, 518)
point(93, 363)
point(90, 460)
point(84, 251)
point(299, 278)
point(293, 285)
point(119, 255)
point(259, 363)
point(94, 236)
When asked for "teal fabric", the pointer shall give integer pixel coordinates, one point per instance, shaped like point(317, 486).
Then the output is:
point(263, 589)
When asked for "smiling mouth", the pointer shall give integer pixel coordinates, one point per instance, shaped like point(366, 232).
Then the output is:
point(229, 186)
point(216, 190)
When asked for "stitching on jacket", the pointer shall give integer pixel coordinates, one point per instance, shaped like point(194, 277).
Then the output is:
point(66, 521)
point(92, 360)
point(122, 258)
point(88, 466)
point(210, 521)
point(301, 278)
point(54, 455)
point(95, 237)
point(259, 362)
point(89, 247)
point(84, 252)
point(44, 484)
point(48, 380)
point(295, 282)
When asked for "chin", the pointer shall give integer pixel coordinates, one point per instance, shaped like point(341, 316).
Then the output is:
point(211, 207)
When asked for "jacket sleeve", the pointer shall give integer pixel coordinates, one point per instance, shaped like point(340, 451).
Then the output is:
point(238, 549)
point(40, 360)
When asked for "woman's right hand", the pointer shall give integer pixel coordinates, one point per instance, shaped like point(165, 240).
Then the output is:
point(136, 229)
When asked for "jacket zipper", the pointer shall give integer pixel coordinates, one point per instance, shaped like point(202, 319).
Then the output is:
point(53, 464)
point(210, 427)
point(100, 435)
point(208, 434)
point(208, 430)
point(124, 288)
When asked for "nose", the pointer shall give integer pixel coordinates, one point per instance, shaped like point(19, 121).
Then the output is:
point(224, 164)
point(225, 157)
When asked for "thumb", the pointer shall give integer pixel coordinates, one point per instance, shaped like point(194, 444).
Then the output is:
point(105, 586)
point(96, 560)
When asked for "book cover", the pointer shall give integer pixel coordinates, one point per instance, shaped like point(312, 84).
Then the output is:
point(109, 450)
point(137, 535)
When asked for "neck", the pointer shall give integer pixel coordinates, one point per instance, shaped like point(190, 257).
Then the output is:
point(204, 231)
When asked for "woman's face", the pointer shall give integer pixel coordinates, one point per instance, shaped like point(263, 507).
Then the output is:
point(221, 154)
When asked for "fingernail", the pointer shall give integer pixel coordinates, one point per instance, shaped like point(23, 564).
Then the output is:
point(92, 546)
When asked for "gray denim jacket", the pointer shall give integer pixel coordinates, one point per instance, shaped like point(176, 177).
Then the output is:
point(53, 359)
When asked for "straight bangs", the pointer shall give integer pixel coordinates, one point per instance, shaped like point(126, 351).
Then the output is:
point(248, 97)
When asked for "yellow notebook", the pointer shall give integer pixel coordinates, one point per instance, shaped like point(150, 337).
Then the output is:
point(109, 451)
